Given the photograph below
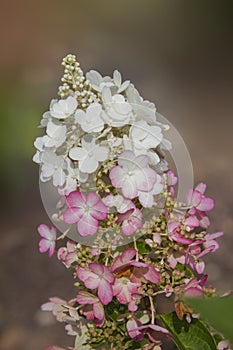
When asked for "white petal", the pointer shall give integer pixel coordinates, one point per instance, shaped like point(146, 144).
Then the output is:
point(88, 165)
point(101, 153)
point(47, 170)
point(94, 78)
point(117, 77)
point(77, 153)
point(71, 104)
point(106, 95)
point(59, 177)
point(79, 116)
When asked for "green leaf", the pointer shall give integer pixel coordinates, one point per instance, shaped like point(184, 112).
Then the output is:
point(143, 247)
point(218, 312)
point(188, 336)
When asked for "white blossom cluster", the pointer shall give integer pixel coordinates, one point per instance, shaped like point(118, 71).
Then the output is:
point(95, 120)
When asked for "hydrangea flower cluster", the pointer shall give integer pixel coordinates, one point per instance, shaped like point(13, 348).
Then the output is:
point(103, 151)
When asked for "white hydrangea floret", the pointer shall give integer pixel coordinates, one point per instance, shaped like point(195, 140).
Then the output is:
point(56, 135)
point(39, 144)
point(118, 110)
point(62, 109)
point(98, 82)
point(89, 155)
point(145, 136)
point(143, 110)
point(73, 174)
point(90, 120)
point(53, 167)
point(117, 79)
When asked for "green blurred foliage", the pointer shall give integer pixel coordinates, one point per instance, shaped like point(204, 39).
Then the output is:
point(218, 312)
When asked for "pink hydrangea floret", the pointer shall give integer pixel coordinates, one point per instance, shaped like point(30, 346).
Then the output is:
point(85, 210)
point(48, 240)
point(132, 174)
point(100, 277)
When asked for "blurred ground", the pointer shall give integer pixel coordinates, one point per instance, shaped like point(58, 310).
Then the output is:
point(178, 54)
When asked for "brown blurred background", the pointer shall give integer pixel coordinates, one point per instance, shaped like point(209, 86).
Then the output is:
point(178, 54)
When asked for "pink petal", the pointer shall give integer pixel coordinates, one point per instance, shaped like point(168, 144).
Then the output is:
point(124, 216)
point(152, 275)
point(214, 235)
point(84, 274)
point(200, 267)
point(96, 268)
point(146, 199)
point(44, 245)
point(172, 226)
point(128, 227)
point(145, 179)
point(99, 212)
point(98, 311)
point(84, 297)
point(76, 199)
point(116, 176)
point(72, 215)
point(124, 259)
point(180, 239)
point(121, 291)
point(205, 222)
point(87, 225)
point(193, 198)
point(191, 221)
point(46, 232)
point(105, 292)
point(92, 199)
point(193, 292)
point(206, 204)
point(201, 187)
point(129, 188)
point(108, 276)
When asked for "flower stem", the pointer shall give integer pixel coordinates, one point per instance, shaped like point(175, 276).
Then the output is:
point(136, 248)
point(152, 309)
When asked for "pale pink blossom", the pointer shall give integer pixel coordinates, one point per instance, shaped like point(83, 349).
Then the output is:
point(147, 198)
point(121, 204)
point(68, 254)
point(123, 289)
point(198, 201)
point(100, 277)
point(171, 178)
point(174, 234)
point(48, 240)
point(93, 309)
point(132, 174)
point(85, 210)
point(192, 288)
point(210, 243)
point(141, 272)
point(144, 273)
point(123, 260)
point(58, 308)
point(131, 221)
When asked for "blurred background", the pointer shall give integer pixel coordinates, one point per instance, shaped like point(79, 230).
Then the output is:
point(178, 54)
